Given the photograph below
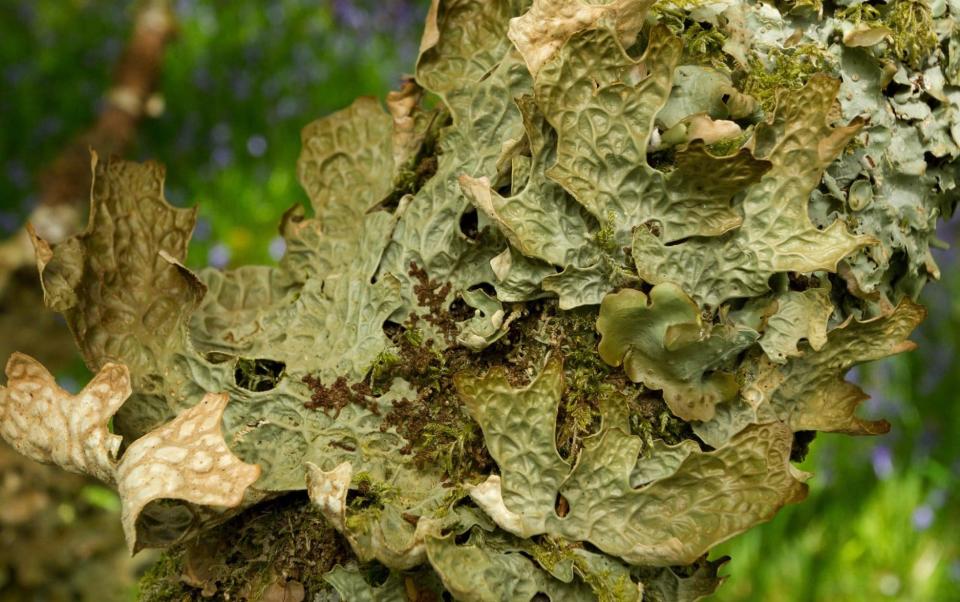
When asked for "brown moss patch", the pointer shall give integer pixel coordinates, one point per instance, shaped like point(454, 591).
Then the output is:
point(438, 430)
point(333, 398)
point(432, 296)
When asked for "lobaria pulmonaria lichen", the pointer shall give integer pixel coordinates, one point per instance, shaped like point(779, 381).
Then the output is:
point(563, 314)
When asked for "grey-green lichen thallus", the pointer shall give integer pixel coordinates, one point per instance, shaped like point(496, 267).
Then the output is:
point(559, 318)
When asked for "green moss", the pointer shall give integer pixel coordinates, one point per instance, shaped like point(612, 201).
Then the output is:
point(589, 382)
point(787, 69)
point(676, 6)
point(386, 361)
point(860, 13)
point(705, 45)
point(594, 389)
point(411, 177)
point(367, 492)
point(914, 38)
point(606, 235)
point(286, 539)
point(161, 582)
point(664, 426)
point(552, 552)
point(606, 587)
point(453, 495)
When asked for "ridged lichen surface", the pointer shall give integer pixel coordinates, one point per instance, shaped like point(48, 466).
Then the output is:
point(559, 318)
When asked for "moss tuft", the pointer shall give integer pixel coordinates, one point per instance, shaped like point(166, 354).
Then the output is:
point(552, 552)
point(284, 541)
point(439, 431)
point(860, 13)
point(788, 69)
point(412, 177)
point(162, 583)
point(914, 38)
point(606, 236)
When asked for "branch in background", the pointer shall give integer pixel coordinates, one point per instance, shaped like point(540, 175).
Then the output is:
point(65, 184)
point(67, 180)
point(90, 560)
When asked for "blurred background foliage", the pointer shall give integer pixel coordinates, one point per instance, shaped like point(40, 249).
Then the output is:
point(239, 82)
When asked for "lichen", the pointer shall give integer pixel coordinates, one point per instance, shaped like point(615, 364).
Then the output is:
point(566, 312)
point(702, 42)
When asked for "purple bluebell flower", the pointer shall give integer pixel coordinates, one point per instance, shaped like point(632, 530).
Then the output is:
point(221, 133)
point(256, 145)
point(9, 222)
point(278, 246)
point(202, 230)
point(304, 56)
point(882, 459)
point(288, 107)
point(272, 86)
point(349, 14)
point(219, 256)
point(222, 157)
point(185, 7)
point(15, 73)
point(18, 174)
point(50, 125)
point(202, 79)
point(955, 569)
point(936, 365)
point(947, 232)
point(923, 517)
point(928, 440)
point(176, 196)
point(110, 49)
point(26, 13)
point(275, 13)
point(879, 404)
point(407, 50)
point(241, 84)
point(937, 498)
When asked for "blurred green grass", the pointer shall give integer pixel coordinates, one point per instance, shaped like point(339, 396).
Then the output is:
point(883, 517)
point(239, 83)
